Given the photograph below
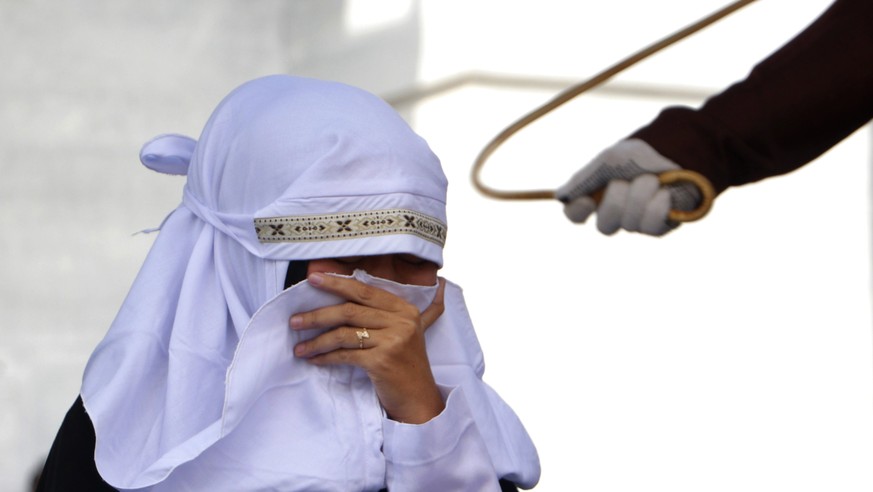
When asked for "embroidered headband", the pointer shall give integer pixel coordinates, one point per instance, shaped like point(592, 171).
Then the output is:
point(333, 227)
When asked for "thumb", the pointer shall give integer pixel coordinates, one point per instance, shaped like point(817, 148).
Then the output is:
point(437, 306)
point(580, 209)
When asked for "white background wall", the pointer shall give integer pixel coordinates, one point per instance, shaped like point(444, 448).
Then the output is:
point(733, 354)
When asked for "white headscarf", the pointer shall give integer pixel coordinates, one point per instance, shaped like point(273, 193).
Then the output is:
point(285, 169)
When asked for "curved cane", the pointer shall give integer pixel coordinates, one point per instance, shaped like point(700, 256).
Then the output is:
point(707, 192)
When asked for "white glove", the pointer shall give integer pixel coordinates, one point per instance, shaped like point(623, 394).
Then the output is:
point(634, 199)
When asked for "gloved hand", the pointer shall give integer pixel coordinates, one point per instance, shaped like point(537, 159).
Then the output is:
point(634, 199)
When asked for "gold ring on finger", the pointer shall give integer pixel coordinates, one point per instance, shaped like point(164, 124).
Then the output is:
point(362, 335)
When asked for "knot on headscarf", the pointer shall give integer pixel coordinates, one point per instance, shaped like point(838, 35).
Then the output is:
point(169, 153)
point(284, 147)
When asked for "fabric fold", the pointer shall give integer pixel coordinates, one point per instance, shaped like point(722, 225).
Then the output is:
point(195, 386)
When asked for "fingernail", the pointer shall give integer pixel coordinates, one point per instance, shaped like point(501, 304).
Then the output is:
point(300, 350)
point(296, 321)
point(316, 279)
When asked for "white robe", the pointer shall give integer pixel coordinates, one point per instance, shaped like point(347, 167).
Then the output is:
point(195, 386)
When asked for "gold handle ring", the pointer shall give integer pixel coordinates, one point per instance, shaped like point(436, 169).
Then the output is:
point(707, 194)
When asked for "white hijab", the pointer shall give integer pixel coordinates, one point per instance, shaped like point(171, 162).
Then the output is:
point(285, 169)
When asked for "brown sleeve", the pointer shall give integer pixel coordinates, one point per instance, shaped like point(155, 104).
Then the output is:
point(796, 104)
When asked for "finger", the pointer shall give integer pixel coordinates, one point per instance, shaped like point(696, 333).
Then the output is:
point(612, 207)
point(347, 313)
point(437, 306)
point(580, 209)
point(641, 191)
point(336, 339)
point(655, 220)
point(346, 357)
point(594, 176)
point(359, 292)
point(585, 182)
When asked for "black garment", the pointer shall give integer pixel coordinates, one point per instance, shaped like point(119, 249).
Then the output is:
point(296, 272)
point(70, 464)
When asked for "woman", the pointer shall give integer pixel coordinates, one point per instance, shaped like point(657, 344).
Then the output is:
point(364, 376)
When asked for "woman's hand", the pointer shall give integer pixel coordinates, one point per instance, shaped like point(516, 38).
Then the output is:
point(390, 347)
